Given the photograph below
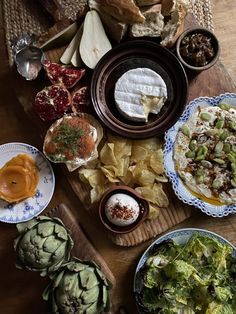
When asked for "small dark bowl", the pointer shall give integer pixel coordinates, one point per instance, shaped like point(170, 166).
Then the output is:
point(214, 43)
point(144, 209)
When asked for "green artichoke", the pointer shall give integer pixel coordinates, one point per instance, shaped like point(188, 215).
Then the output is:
point(78, 288)
point(43, 244)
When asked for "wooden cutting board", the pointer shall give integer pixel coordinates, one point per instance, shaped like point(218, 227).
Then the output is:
point(211, 82)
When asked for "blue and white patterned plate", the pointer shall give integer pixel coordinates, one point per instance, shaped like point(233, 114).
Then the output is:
point(179, 188)
point(181, 237)
point(32, 206)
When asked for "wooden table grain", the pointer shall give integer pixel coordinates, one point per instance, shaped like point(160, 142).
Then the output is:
point(20, 291)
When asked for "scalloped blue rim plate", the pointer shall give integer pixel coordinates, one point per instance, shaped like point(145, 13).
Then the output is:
point(180, 236)
point(179, 188)
point(32, 206)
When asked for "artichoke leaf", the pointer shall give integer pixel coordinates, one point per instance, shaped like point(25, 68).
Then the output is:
point(34, 259)
point(76, 290)
point(94, 308)
point(17, 241)
point(51, 244)
point(88, 279)
point(26, 243)
point(37, 240)
point(57, 279)
point(68, 281)
point(73, 266)
point(59, 252)
point(105, 296)
point(24, 226)
point(102, 277)
point(60, 232)
point(46, 293)
point(91, 295)
point(45, 229)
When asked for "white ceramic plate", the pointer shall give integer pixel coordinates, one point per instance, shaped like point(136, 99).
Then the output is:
point(181, 237)
point(32, 206)
point(179, 188)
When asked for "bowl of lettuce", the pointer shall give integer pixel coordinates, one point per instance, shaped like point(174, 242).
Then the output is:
point(187, 271)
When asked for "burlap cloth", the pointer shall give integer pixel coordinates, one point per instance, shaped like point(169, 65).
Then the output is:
point(27, 16)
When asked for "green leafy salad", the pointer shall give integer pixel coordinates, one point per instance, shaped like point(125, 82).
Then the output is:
point(199, 277)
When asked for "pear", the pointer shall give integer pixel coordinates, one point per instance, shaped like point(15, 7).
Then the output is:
point(66, 58)
point(76, 60)
point(94, 42)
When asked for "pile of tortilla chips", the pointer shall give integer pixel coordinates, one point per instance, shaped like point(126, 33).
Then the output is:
point(135, 163)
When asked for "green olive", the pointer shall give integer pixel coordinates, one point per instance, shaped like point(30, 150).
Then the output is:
point(224, 135)
point(190, 154)
point(232, 125)
point(224, 106)
point(233, 167)
point(233, 148)
point(199, 179)
point(226, 148)
point(185, 130)
point(202, 150)
point(219, 154)
point(200, 172)
point(193, 145)
point(205, 116)
point(199, 158)
point(231, 158)
point(220, 123)
point(212, 132)
point(219, 147)
point(233, 182)
point(216, 184)
point(219, 161)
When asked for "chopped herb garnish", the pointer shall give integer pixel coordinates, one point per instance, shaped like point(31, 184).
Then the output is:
point(68, 137)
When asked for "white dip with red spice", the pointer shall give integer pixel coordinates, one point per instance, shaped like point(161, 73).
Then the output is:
point(122, 209)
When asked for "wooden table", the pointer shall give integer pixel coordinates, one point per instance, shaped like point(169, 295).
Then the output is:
point(20, 290)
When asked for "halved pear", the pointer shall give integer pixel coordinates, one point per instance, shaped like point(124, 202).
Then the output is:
point(76, 60)
point(72, 47)
point(94, 42)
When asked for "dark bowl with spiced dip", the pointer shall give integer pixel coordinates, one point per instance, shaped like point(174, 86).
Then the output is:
point(122, 209)
point(197, 49)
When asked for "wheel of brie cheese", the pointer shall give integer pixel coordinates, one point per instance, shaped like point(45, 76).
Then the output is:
point(139, 92)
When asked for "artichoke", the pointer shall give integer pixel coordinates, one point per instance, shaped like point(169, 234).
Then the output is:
point(43, 245)
point(78, 288)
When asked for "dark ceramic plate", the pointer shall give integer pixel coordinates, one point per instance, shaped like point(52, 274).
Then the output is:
point(127, 56)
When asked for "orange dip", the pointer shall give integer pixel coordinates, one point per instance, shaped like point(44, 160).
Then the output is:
point(18, 178)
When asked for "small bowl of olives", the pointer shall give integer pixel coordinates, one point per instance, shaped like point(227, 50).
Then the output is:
point(197, 49)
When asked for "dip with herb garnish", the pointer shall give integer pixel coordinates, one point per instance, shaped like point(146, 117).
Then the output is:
point(73, 139)
point(205, 154)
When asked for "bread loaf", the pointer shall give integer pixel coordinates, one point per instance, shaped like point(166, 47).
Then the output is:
point(125, 11)
point(174, 27)
point(169, 6)
point(143, 3)
point(114, 28)
point(153, 24)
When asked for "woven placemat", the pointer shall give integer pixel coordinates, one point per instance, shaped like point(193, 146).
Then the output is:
point(27, 16)
point(202, 11)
